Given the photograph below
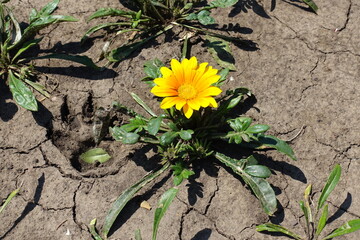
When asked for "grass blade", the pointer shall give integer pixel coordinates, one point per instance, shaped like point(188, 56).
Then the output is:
point(277, 228)
point(142, 104)
point(259, 186)
point(8, 199)
point(330, 185)
point(25, 47)
point(92, 229)
point(101, 26)
point(84, 60)
point(349, 227)
point(163, 205)
point(125, 197)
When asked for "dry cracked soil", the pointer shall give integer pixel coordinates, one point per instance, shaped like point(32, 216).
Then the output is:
point(305, 77)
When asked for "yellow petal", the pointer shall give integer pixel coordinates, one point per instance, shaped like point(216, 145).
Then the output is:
point(165, 72)
point(213, 103)
point(181, 102)
point(187, 111)
point(204, 83)
point(169, 102)
point(178, 70)
point(169, 82)
point(203, 102)
point(163, 91)
point(194, 104)
point(211, 91)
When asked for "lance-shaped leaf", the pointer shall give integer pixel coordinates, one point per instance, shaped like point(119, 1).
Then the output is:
point(168, 138)
point(259, 186)
point(322, 220)
point(105, 12)
point(277, 228)
point(349, 227)
point(223, 3)
point(25, 47)
point(125, 197)
point(21, 93)
point(143, 104)
point(99, 27)
point(49, 8)
point(258, 171)
point(120, 134)
point(163, 205)
point(330, 185)
point(154, 125)
point(40, 23)
point(95, 155)
point(205, 18)
point(267, 141)
point(311, 4)
point(221, 52)
point(84, 60)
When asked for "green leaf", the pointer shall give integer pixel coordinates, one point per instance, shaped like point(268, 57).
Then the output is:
point(186, 134)
point(223, 3)
point(125, 137)
point(125, 197)
point(223, 74)
point(92, 229)
point(8, 199)
point(105, 12)
point(348, 227)
point(277, 228)
point(154, 125)
point(152, 68)
point(311, 4)
point(330, 185)
point(168, 138)
point(205, 18)
point(84, 60)
point(25, 47)
point(257, 128)
point(221, 52)
point(99, 27)
point(163, 205)
point(322, 220)
point(136, 124)
point(38, 87)
point(191, 16)
point(240, 124)
point(143, 104)
point(95, 155)
point(305, 211)
point(126, 50)
point(21, 93)
point(258, 171)
point(266, 141)
point(138, 234)
point(260, 187)
point(49, 8)
point(40, 23)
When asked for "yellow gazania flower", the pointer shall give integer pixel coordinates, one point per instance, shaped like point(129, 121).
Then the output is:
point(187, 85)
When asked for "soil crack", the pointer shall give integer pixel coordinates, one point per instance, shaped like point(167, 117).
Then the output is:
point(211, 197)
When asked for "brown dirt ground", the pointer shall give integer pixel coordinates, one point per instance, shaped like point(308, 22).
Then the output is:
point(305, 74)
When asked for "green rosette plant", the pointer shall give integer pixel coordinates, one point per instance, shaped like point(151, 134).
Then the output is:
point(15, 69)
point(194, 123)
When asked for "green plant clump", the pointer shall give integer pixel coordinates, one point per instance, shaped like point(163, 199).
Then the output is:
point(15, 41)
point(314, 224)
point(190, 130)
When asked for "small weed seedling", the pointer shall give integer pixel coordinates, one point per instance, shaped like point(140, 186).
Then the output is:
point(315, 225)
point(8, 199)
point(14, 42)
point(192, 127)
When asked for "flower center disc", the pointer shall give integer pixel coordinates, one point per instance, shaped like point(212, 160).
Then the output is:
point(187, 91)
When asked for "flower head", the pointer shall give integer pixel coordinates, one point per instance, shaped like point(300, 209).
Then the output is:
point(187, 86)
